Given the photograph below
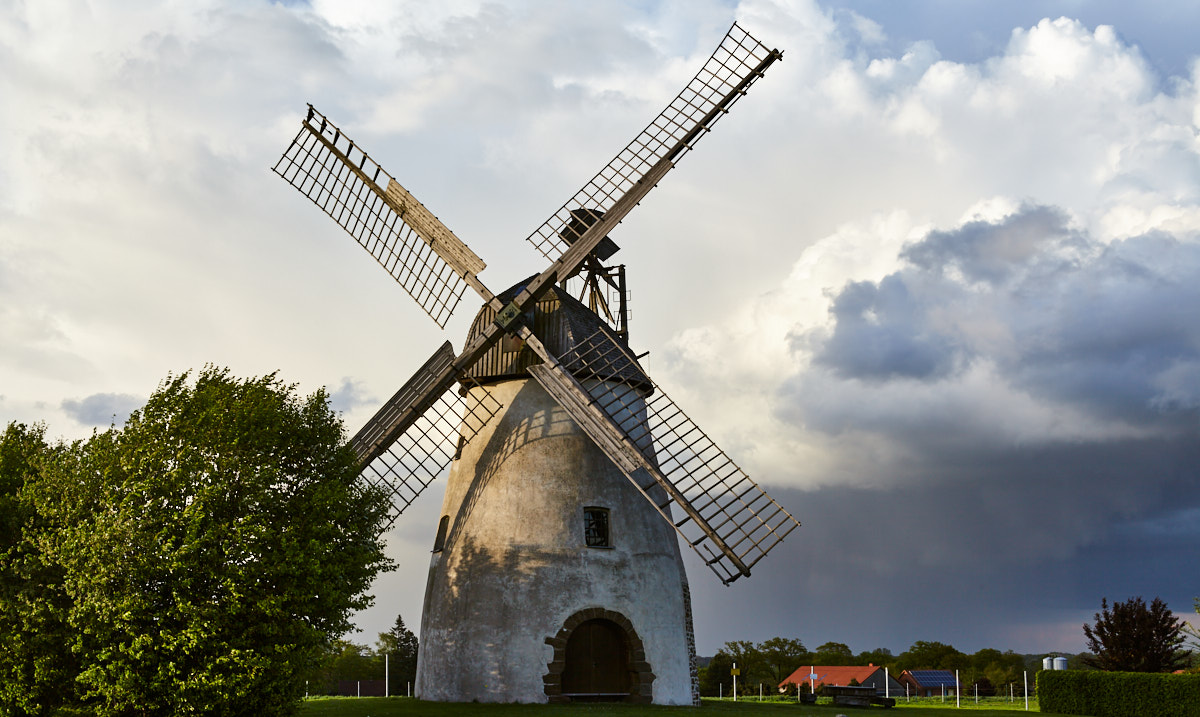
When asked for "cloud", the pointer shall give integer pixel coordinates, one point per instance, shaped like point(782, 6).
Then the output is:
point(349, 395)
point(882, 331)
point(982, 250)
point(102, 409)
point(1105, 329)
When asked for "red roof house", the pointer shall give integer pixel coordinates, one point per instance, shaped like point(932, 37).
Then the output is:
point(867, 676)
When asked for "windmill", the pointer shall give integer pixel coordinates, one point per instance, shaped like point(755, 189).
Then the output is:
point(556, 573)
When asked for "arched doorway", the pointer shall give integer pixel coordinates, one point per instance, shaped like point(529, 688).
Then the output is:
point(598, 656)
point(597, 664)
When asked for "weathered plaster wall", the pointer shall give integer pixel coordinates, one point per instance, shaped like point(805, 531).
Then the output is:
point(515, 566)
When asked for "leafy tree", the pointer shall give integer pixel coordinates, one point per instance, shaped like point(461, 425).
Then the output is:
point(36, 670)
point(781, 656)
point(982, 686)
point(716, 678)
point(1134, 637)
point(750, 664)
point(400, 644)
point(352, 662)
point(996, 668)
point(925, 655)
point(880, 657)
point(833, 653)
point(211, 547)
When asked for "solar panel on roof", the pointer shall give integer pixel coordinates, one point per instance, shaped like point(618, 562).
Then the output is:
point(933, 678)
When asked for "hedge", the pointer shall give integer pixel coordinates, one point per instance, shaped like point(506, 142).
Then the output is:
point(1118, 694)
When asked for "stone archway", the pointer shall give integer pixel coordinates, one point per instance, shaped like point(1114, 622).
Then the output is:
point(608, 629)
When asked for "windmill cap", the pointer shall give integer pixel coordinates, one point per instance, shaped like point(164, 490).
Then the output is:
point(565, 326)
point(581, 219)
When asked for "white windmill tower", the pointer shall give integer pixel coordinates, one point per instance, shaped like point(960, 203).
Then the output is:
point(556, 573)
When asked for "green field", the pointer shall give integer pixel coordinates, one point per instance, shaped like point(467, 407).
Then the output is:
point(407, 707)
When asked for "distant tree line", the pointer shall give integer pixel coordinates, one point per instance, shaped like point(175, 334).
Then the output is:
point(1129, 636)
point(772, 661)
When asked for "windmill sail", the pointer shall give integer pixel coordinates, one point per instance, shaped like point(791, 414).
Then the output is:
point(735, 65)
point(432, 264)
point(726, 517)
point(412, 439)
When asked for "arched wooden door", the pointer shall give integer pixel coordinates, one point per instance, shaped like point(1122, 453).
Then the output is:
point(597, 662)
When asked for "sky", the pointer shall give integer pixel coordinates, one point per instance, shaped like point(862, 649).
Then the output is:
point(932, 283)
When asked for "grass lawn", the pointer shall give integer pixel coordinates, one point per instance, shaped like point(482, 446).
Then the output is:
point(407, 707)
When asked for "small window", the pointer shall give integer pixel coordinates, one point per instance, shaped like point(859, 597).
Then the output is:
point(595, 528)
point(440, 541)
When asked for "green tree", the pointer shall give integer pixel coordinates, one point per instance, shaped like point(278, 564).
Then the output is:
point(1134, 637)
point(343, 660)
point(781, 656)
point(925, 655)
point(400, 644)
point(36, 667)
point(749, 662)
point(833, 653)
point(880, 657)
point(995, 667)
point(212, 547)
point(353, 662)
point(716, 678)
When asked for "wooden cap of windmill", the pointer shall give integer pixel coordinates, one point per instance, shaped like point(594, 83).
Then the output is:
point(581, 219)
point(566, 327)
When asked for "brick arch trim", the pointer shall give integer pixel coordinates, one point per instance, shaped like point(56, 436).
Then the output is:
point(641, 676)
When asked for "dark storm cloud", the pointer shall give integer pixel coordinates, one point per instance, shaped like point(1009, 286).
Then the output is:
point(102, 409)
point(893, 328)
point(1111, 329)
point(882, 331)
point(1118, 334)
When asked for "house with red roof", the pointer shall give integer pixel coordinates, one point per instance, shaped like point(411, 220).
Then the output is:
point(866, 676)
